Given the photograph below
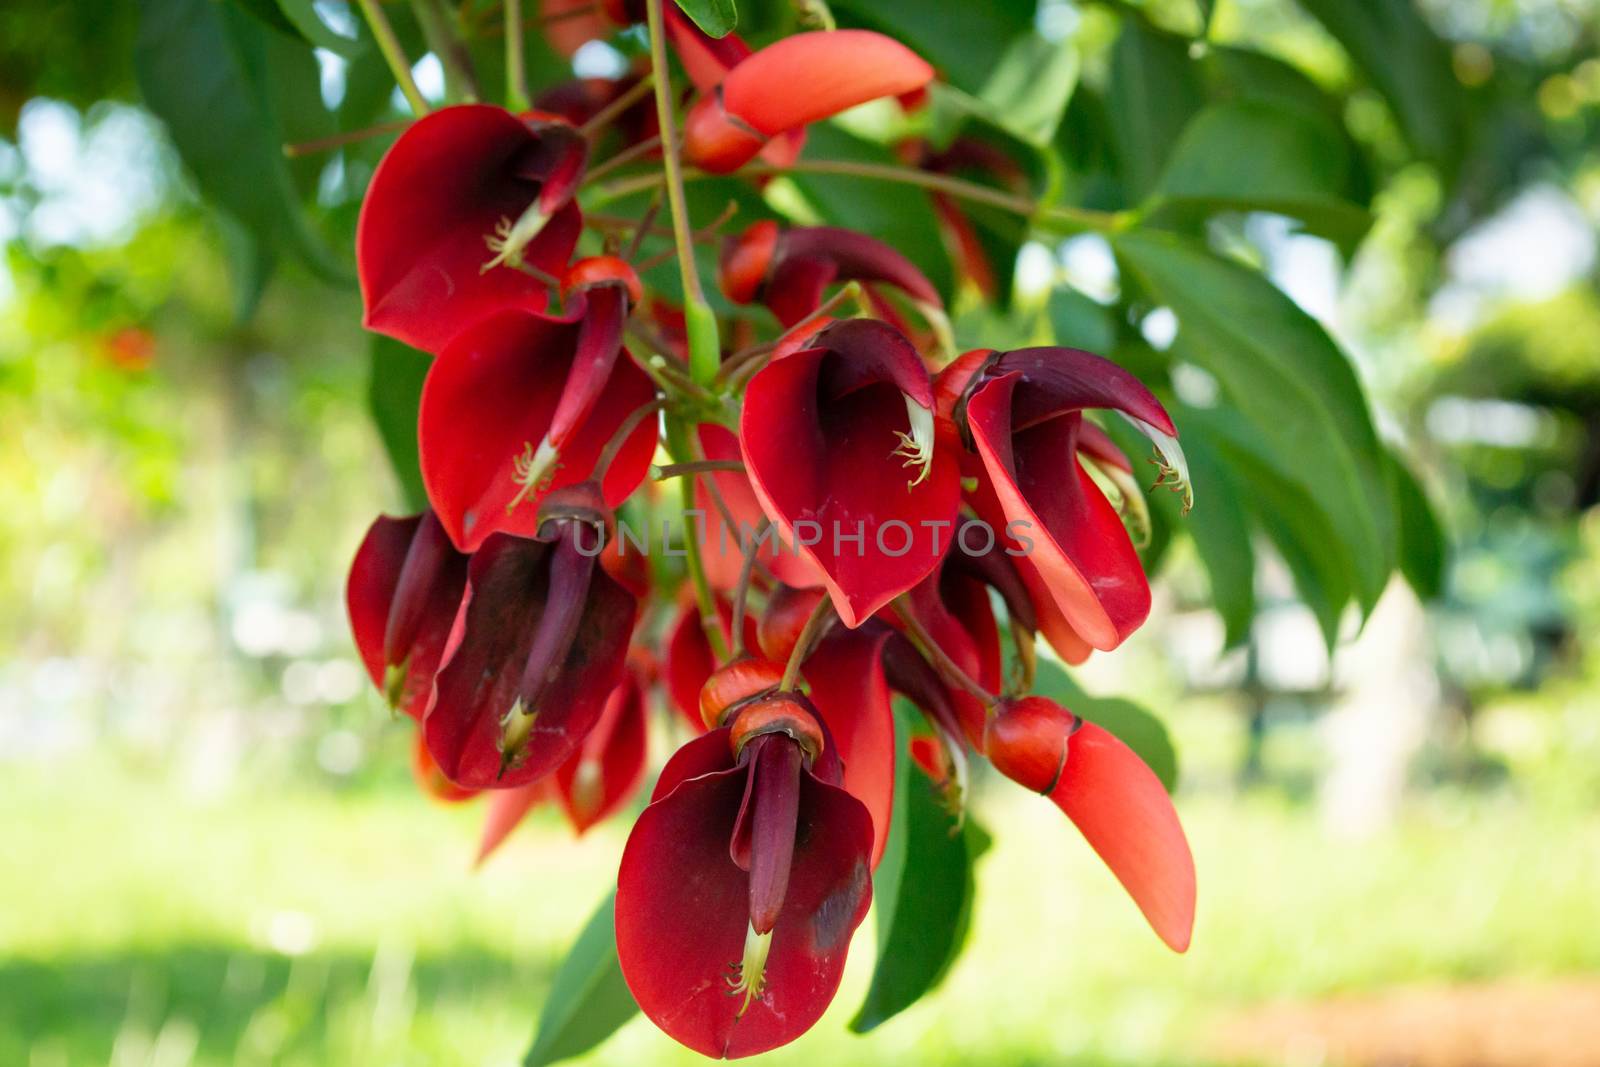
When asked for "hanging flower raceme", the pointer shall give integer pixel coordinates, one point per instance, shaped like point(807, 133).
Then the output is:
point(851, 463)
point(525, 402)
point(405, 585)
point(743, 882)
point(1113, 798)
point(791, 83)
point(465, 197)
point(540, 643)
point(595, 781)
point(790, 269)
point(1022, 412)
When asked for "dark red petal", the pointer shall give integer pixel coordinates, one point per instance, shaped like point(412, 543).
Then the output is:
point(489, 401)
point(818, 434)
point(508, 582)
point(420, 242)
point(1068, 379)
point(797, 285)
point(1075, 539)
point(1127, 817)
point(860, 257)
point(812, 76)
point(682, 913)
point(609, 765)
point(845, 674)
point(710, 753)
point(369, 591)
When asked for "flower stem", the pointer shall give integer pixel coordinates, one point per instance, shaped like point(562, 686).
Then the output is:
point(678, 445)
point(632, 153)
point(741, 590)
point(705, 351)
point(696, 466)
point(439, 30)
point(947, 667)
point(339, 140)
point(820, 616)
point(608, 114)
point(517, 96)
point(393, 54)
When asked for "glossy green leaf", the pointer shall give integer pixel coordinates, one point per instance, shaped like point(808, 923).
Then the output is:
point(588, 998)
point(1078, 322)
point(1423, 548)
point(964, 41)
point(1155, 89)
point(715, 17)
point(922, 892)
point(302, 14)
point(394, 393)
point(1251, 155)
point(1406, 62)
point(1286, 376)
point(1028, 90)
point(271, 14)
point(1133, 725)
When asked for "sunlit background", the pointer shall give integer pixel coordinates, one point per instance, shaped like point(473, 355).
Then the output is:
point(211, 851)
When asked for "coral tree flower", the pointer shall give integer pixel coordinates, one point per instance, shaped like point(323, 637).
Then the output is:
point(462, 197)
point(522, 404)
point(851, 464)
point(791, 83)
point(742, 883)
point(788, 270)
point(1113, 798)
point(1023, 414)
point(405, 585)
point(594, 782)
point(540, 643)
point(722, 547)
point(689, 661)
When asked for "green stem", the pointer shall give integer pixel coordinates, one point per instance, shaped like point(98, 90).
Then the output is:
point(517, 95)
point(439, 30)
point(705, 352)
point(393, 54)
point(820, 616)
point(705, 602)
point(952, 672)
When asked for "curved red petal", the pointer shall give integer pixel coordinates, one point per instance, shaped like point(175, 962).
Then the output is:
point(506, 810)
point(721, 548)
point(688, 661)
point(811, 76)
point(859, 257)
point(369, 591)
point(705, 59)
point(1070, 379)
point(430, 779)
point(796, 287)
point(441, 189)
point(1127, 817)
point(845, 674)
point(608, 766)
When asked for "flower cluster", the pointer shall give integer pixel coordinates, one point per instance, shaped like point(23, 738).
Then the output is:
point(527, 642)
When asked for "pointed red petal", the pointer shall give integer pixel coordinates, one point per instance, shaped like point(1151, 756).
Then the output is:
point(845, 673)
point(1069, 379)
point(609, 765)
point(369, 591)
point(705, 59)
point(860, 257)
point(506, 810)
point(1122, 809)
point(812, 76)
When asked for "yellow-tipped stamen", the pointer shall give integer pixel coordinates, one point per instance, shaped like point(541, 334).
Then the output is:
point(916, 447)
point(510, 238)
point(944, 335)
point(534, 469)
point(394, 683)
point(749, 974)
point(515, 727)
point(1125, 495)
point(1172, 469)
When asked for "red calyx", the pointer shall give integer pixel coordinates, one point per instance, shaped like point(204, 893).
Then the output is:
point(593, 271)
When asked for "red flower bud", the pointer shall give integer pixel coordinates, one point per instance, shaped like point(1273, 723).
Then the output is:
point(734, 685)
point(593, 271)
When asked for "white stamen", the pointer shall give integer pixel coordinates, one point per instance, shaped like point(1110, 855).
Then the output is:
point(749, 974)
point(1172, 468)
point(1125, 495)
point(533, 469)
point(916, 447)
point(509, 239)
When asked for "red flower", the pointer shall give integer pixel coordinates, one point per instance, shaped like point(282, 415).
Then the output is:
point(463, 196)
point(522, 404)
point(845, 453)
point(539, 645)
point(721, 547)
point(789, 269)
point(689, 662)
point(594, 782)
point(429, 778)
point(747, 874)
point(1023, 412)
point(405, 585)
point(791, 83)
point(1116, 801)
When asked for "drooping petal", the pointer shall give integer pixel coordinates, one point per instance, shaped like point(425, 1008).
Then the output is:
point(488, 405)
point(860, 497)
point(846, 678)
point(683, 910)
point(1077, 543)
point(1057, 380)
point(609, 765)
point(722, 548)
point(430, 779)
point(505, 811)
point(807, 77)
point(809, 258)
point(443, 188)
point(481, 693)
point(369, 591)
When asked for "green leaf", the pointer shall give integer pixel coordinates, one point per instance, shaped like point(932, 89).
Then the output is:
point(1423, 548)
point(1407, 63)
point(963, 40)
point(1207, 8)
point(271, 14)
point(1155, 89)
point(202, 68)
point(1079, 322)
point(1287, 377)
point(1250, 155)
point(303, 15)
point(716, 17)
point(1134, 726)
point(922, 890)
point(394, 393)
point(588, 998)
point(1028, 90)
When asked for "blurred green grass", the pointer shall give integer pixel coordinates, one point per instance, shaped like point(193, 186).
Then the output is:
point(307, 925)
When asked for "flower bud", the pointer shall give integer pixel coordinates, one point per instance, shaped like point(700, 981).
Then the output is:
point(1026, 740)
point(735, 684)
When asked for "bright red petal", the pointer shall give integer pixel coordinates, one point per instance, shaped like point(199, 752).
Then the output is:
point(722, 549)
point(845, 673)
point(812, 76)
point(609, 765)
point(507, 809)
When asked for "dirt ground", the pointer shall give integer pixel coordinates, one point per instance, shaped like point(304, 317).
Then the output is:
point(1511, 1024)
